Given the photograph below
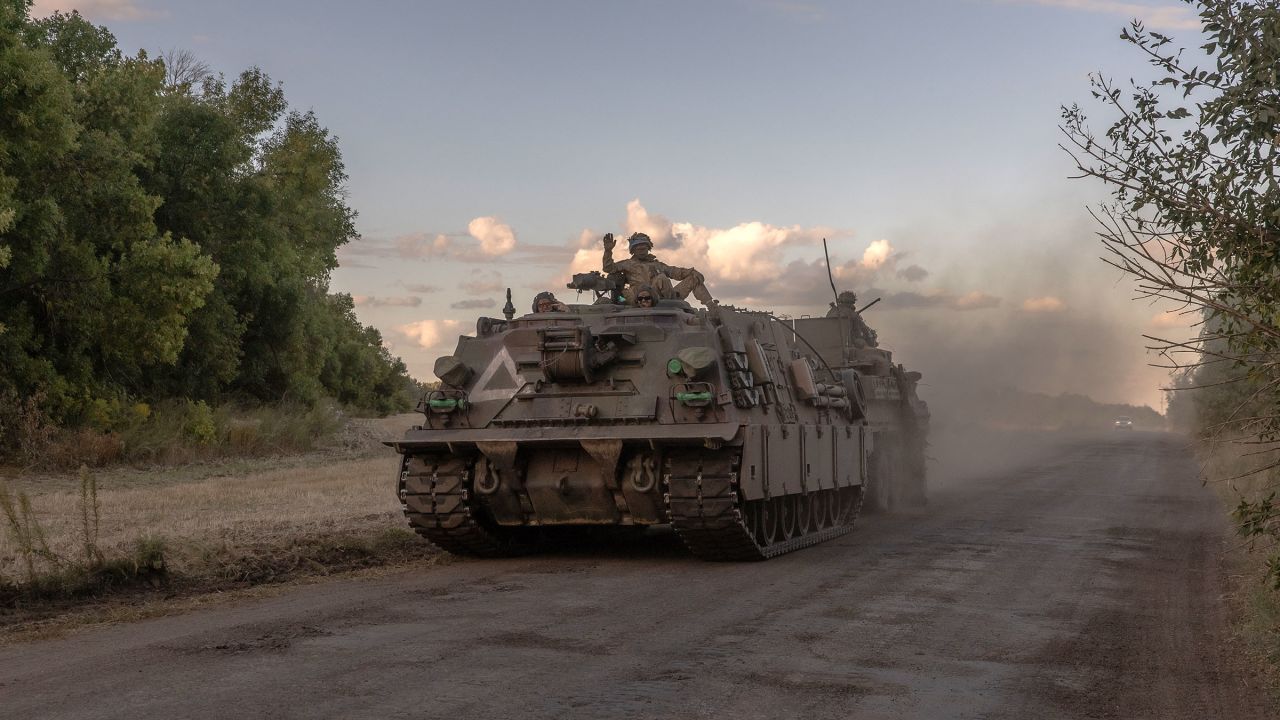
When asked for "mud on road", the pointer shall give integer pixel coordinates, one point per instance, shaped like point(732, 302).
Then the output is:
point(1084, 584)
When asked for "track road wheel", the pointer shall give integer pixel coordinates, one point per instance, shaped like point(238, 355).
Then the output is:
point(713, 519)
point(440, 505)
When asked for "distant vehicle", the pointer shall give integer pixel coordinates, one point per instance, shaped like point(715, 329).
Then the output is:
point(1124, 423)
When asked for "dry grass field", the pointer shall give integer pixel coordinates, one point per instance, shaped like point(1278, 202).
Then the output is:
point(217, 525)
point(1243, 473)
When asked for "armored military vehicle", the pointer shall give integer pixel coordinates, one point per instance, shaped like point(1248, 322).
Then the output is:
point(750, 435)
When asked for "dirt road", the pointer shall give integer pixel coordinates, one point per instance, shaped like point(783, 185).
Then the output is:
point(1085, 584)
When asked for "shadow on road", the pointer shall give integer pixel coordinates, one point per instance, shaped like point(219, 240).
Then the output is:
point(615, 543)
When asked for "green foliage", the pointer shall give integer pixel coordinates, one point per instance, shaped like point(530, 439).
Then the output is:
point(181, 431)
point(6, 255)
point(200, 426)
point(162, 240)
point(1190, 159)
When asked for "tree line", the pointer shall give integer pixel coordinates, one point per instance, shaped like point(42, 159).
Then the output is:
point(1190, 157)
point(167, 233)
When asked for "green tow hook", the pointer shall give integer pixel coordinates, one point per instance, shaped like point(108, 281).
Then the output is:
point(447, 404)
point(693, 399)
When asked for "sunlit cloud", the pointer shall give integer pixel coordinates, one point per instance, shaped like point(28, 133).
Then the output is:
point(429, 333)
point(97, 9)
point(1045, 304)
point(747, 263)
point(876, 254)
point(588, 238)
point(496, 237)
point(975, 300)
point(486, 238)
point(1160, 15)
point(420, 245)
point(747, 252)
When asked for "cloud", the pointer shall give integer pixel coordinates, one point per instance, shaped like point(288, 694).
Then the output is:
point(876, 254)
point(1162, 15)
point(483, 282)
point(657, 227)
point(496, 237)
point(97, 9)
point(420, 245)
point(1045, 304)
point(975, 300)
point(398, 301)
point(587, 239)
point(486, 238)
point(423, 289)
point(747, 263)
point(429, 333)
point(473, 304)
point(749, 252)
point(913, 273)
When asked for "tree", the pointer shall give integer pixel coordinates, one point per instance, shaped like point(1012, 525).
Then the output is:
point(95, 294)
point(159, 239)
point(184, 73)
point(1190, 159)
point(6, 255)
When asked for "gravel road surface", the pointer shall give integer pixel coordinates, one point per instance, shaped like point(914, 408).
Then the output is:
point(1085, 583)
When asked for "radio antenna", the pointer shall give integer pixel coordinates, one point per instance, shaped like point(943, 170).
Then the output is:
point(834, 295)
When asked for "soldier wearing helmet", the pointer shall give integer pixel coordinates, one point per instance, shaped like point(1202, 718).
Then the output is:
point(645, 269)
point(846, 306)
point(546, 302)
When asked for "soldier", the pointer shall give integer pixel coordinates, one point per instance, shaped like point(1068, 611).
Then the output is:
point(645, 269)
point(646, 296)
point(546, 301)
point(846, 306)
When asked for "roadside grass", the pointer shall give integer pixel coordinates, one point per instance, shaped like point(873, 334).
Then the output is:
point(172, 432)
point(1242, 475)
point(74, 539)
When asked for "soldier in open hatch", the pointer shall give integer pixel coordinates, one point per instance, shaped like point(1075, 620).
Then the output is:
point(645, 269)
point(546, 302)
point(646, 296)
point(846, 306)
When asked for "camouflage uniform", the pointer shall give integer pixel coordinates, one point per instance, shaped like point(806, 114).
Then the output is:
point(846, 306)
point(645, 269)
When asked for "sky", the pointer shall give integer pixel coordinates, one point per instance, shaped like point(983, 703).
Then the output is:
point(490, 145)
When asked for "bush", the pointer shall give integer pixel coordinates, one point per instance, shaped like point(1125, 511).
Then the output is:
point(173, 432)
point(199, 423)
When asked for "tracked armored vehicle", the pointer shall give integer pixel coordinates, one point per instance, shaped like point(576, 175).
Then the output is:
point(748, 436)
